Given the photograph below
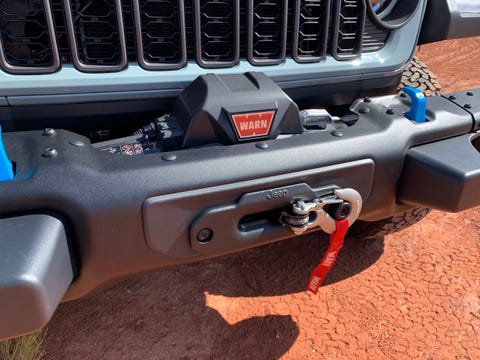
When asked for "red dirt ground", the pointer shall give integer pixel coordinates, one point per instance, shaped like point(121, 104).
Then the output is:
point(412, 295)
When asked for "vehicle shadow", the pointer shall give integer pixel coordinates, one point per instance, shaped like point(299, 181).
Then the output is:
point(164, 315)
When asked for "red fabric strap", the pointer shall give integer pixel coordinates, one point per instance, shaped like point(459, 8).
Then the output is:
point(322, 269)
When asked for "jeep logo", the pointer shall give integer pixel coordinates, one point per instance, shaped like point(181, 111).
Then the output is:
point(277, 194)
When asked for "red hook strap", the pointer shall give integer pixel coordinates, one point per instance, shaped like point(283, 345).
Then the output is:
point(322, 269)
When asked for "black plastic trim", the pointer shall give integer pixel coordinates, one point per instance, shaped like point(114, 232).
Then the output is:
point(225, 220)
point(443, 175)
point(296, 32)
point(67, 6)
point(16, 69)
point(250, 23)
point(36, 274)
point(198, 38)
point(147, 65)
point(443, 21)
point(357, 52)
point(400, 15)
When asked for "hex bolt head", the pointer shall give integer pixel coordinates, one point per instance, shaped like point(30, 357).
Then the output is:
point(204, 235)
point(261, 145)
point(403, 95)
point(452, 97)
point(367, 100)
point(390, 111)
point(50, 153)
point(469, 93)
point(76, 143)
point(48, 132)
point(169, 157)
point(467, 106)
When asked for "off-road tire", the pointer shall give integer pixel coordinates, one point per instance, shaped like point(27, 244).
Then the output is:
point(376, 229)
point(416, 75)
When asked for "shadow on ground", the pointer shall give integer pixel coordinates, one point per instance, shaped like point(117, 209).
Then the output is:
point(163, 315)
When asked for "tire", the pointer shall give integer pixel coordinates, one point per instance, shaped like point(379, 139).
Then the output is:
point(371, 230)
point(416, 75)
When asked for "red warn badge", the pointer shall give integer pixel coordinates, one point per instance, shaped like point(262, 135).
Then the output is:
point(253, 124)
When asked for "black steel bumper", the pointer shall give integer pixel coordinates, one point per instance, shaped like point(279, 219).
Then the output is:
point(124, 215)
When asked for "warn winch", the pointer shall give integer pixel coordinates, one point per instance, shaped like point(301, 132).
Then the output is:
point(226, 109)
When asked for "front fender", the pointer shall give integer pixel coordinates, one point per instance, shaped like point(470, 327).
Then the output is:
point(450, 19)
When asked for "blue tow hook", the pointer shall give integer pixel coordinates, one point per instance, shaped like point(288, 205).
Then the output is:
point(6, 168)
point(418, 110)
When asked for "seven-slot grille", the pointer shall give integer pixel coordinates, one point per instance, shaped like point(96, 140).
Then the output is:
point(27, 37)
point(95, 32)
point(349, 25)
point(36, 36)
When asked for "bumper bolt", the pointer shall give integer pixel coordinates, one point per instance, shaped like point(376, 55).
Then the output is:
point(364, 110)
point(50, 153)
point(76, 143)
point(452, 97)
point(367, 100)
point(204, 235)
point(169, 157)
point(390, 111)
point(261, 145)
point(467, 106)
point(48, 132)
point(469, 93)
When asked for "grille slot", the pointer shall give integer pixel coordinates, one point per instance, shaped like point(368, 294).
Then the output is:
point(373, 38)
point(310, 32)
point(61, 31)
point(95, 32)
point(27, 37)
point(129, 30)
point(160, 33)
point(267, 31)
point(349, 25)
point(36, 36)
point(217, 32)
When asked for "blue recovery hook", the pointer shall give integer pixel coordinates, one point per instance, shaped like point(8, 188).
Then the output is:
point(6, 168)
point(418, 110)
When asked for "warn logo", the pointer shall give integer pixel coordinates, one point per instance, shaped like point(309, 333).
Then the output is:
point(253, 124)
